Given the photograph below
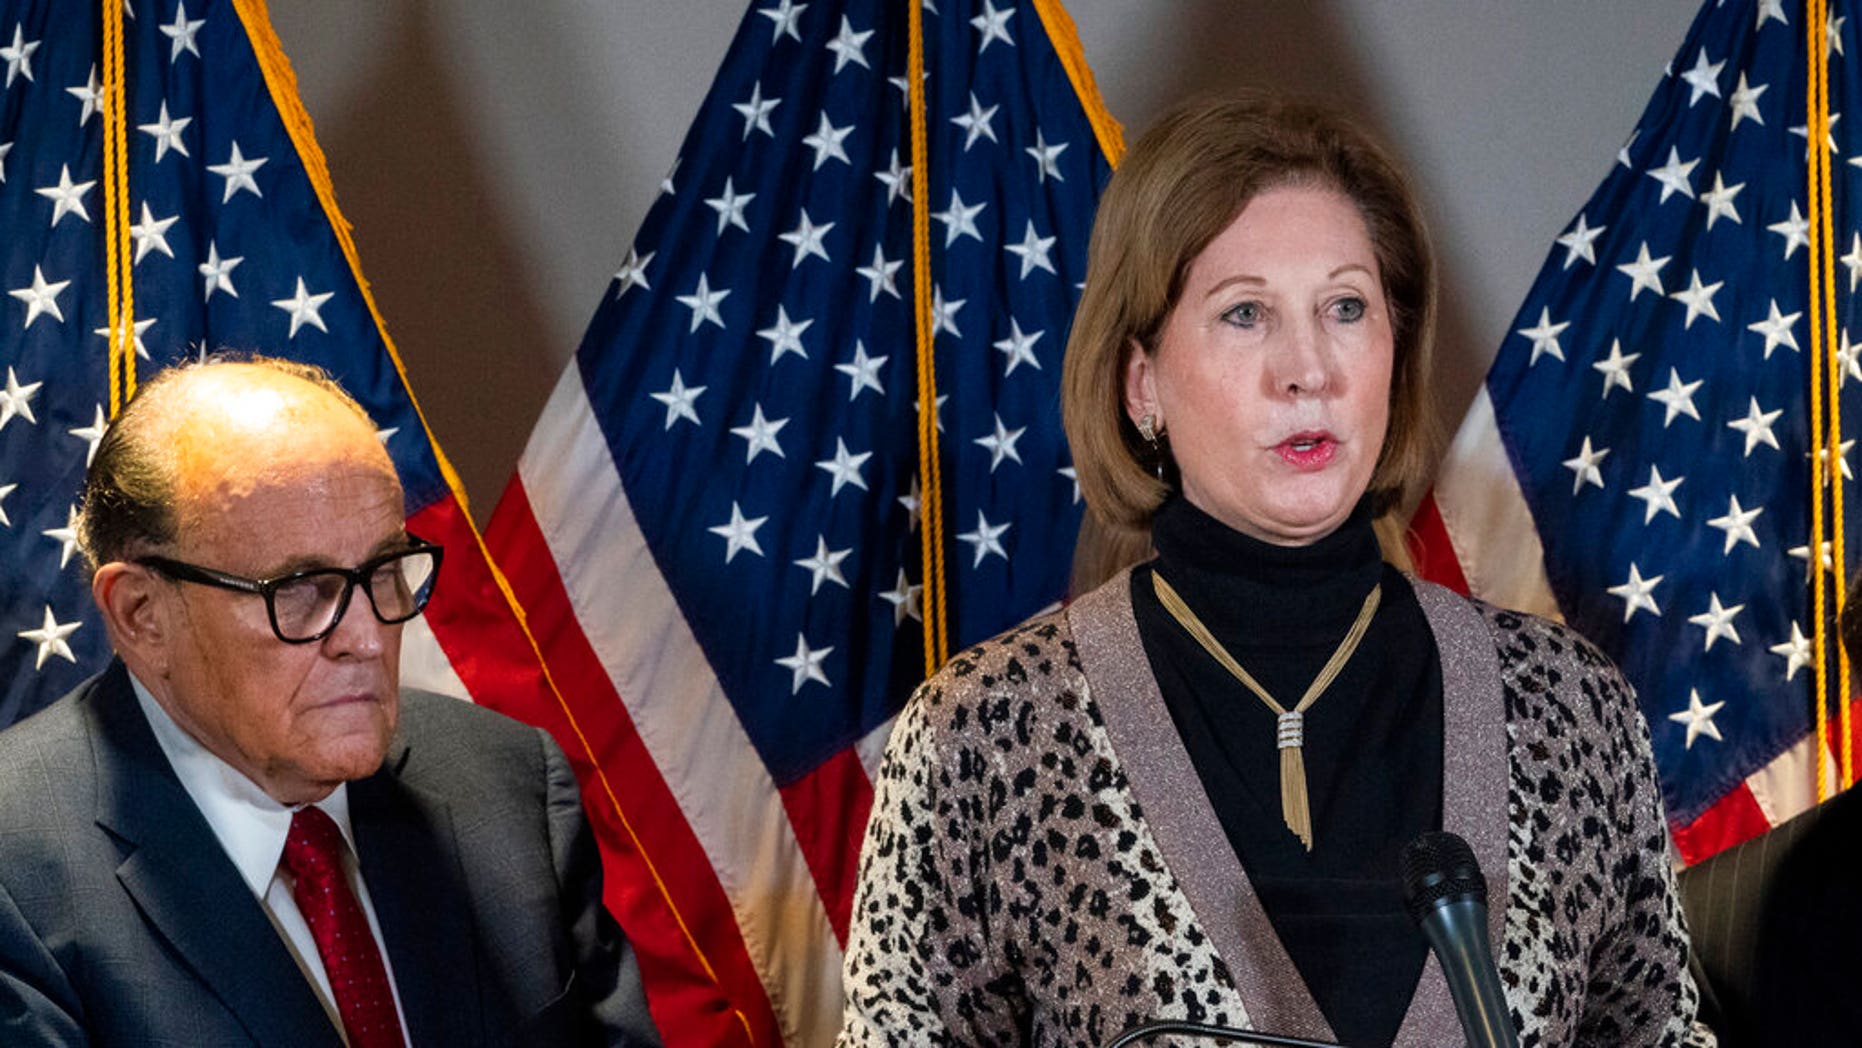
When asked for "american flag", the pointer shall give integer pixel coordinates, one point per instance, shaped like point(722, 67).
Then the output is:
point(230, 247)
point(235, 243)
point(716, 526)
point(1639, 459)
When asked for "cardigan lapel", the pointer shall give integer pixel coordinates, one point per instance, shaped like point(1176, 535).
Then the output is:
point(1179, 815)
point(409, 856)
point(1474, 784)
point(185, 886)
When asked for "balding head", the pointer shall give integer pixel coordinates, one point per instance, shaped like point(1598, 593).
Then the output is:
point(221, 483)
point(219, 421)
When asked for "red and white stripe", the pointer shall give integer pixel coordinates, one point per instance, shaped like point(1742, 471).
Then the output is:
point(1475, 533)
point(721, 867)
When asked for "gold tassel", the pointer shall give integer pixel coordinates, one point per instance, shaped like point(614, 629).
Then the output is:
point(1295, 805)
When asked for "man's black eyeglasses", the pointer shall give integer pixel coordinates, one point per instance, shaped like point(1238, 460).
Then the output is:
point(304, 606)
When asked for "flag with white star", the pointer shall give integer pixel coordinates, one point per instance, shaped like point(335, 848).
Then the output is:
point(722, 499)
point(234, 245)
point(1639, 459)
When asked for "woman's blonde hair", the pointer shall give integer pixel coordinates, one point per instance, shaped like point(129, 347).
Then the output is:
point(1181, 185)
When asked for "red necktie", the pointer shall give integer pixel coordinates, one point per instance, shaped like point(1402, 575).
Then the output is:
point(313, 853)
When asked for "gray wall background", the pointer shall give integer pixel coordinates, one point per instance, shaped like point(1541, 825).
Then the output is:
point(496, 157)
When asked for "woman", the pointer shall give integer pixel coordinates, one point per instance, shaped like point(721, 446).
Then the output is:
point(1184, 795)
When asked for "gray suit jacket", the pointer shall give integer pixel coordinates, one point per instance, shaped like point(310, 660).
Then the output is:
point(122, 922)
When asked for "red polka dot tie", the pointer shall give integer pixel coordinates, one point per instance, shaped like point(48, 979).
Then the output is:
point(313, 854)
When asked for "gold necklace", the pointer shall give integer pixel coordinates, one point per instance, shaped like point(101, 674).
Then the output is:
point(1295, 808)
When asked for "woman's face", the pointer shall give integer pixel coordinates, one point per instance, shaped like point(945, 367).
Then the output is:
point(1272, 373)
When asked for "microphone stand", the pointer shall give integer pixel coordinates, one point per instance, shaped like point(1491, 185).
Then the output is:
point(1145, 1031)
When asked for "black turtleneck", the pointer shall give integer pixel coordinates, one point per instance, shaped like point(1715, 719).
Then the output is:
point(1373, 742)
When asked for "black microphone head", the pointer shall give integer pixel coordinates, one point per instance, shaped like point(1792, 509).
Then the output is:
point(1439, 866)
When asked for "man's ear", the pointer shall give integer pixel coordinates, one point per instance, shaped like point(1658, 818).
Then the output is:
point(1141, 387)
point(136, 615)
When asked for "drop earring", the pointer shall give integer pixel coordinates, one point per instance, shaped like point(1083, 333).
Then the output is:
point(1147, 428)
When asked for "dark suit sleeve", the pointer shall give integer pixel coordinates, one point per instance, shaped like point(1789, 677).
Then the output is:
point(1804, 970)
point(607, 974)
point(1724, 897)
point(36, 1001)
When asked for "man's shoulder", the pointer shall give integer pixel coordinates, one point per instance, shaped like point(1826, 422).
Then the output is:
point(46, 750)
point(49, 783)
point(434, 719)
point(424, 712)
point(453, 739)
point(59, 723)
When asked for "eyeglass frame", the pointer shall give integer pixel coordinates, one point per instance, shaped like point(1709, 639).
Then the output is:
point(353, 579)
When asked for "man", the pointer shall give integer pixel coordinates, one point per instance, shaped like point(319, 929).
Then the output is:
point(1777, 921)
point(1806, 965)
point(243, 831)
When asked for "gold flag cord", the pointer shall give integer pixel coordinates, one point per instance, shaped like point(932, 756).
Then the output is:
point(930, 469)
point(120, 324)
point(1060, 31)
point(1066, 40)
point(1826, 576)
point(1833, 379)
point(281, 82)
point(1813, 30)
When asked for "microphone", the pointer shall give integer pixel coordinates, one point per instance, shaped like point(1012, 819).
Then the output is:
point(1447, 896)
point(1201, 1030)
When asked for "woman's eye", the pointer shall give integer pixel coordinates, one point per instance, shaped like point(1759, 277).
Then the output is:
point(1349, 310)
point(1244, 314)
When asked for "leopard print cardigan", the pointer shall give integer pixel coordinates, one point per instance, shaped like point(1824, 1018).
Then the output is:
point(1043, 867)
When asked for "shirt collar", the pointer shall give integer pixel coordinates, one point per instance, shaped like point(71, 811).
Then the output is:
point(250, 825)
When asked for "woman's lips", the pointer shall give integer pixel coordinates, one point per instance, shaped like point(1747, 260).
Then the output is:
point(1308, 451)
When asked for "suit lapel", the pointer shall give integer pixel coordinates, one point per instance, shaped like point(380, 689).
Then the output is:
point(410, 860)
point(186, 887)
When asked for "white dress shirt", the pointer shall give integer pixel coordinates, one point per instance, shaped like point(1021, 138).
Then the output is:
point(252, 828)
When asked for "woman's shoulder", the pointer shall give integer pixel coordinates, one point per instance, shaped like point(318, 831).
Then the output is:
point(1520, 638)
point(994, 710)
point(1571, 716)
point(1019, 660)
